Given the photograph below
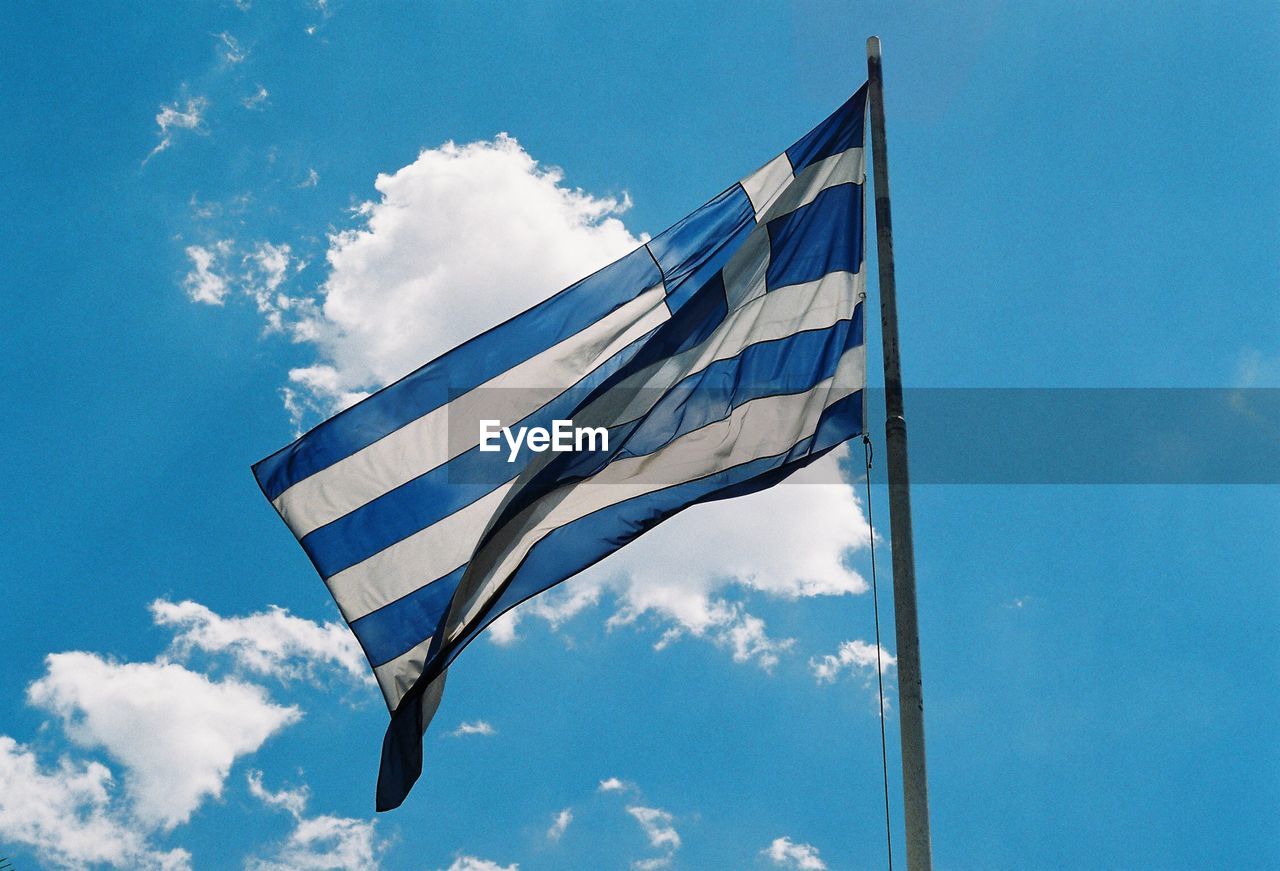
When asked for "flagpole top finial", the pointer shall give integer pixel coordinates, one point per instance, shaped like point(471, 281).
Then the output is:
point(873, 47)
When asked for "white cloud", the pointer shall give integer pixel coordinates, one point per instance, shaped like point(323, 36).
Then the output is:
point(474, 727)
point(853, 656)
point(177, 117)
point(271, 642)
point(188, 740)
point(613, 784)
point(559, 824)
point(68, 818)
point(786, 853)
point(657, 825)
point(232, 51)
point(256, 99)
point(205, 282)
point(319, 842)
point(312, 179)
point(460, 239)
point(472, 863)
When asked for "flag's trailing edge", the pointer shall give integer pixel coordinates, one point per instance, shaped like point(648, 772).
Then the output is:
point(721, 356)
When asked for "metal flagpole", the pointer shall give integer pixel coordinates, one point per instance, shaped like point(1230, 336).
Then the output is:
point(915, 787)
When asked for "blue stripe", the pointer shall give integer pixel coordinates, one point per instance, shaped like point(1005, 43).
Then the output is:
point(383, 633)
point(434, 495)
point(698, 246)
point(816, 239)
point(581, 544)
point(466, 366)
point(842, 130)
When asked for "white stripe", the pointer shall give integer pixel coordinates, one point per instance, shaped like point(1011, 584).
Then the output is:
point(412, 562)
point(397, 676)
point(765, 183)
point(843, 168)
point(440, 548)
point(442, 434)
point(760, 428)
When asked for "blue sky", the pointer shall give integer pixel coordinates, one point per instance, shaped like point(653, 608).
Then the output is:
point(1082, 197)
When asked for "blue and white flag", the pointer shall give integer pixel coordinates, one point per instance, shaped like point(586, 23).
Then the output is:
point(712, 361)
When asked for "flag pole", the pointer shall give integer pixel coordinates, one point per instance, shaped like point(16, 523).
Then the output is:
point(915, 787)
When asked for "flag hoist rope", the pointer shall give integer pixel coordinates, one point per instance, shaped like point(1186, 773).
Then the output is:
point(875, 607)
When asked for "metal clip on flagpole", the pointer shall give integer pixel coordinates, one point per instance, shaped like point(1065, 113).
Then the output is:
point(915, 787)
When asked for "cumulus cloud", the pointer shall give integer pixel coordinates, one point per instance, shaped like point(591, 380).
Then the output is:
point(274, 642)
point(312, 179)
point(613, 784)
point(177, 116)
point(559, 824)
point(786, 853)
point(67, 815)
point(319, 842)
point(474, 727)
point(857, 656)
point(190, 742)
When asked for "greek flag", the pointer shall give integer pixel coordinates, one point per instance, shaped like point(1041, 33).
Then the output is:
point(712, 361)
